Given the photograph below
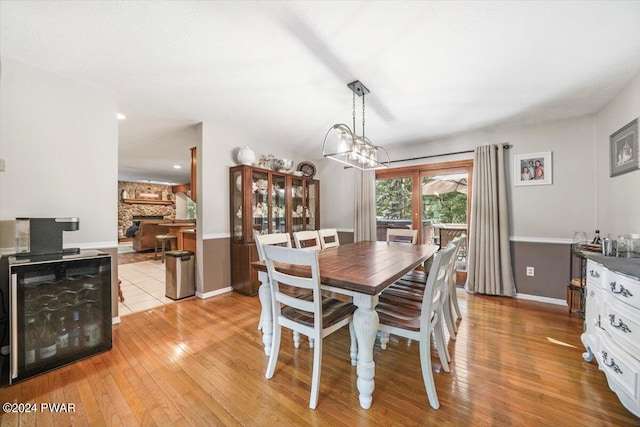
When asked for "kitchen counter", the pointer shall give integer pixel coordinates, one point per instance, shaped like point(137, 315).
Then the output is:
point(627, 266)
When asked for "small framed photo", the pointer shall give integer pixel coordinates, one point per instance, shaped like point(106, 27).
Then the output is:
point(623, 150)
point(532, 169)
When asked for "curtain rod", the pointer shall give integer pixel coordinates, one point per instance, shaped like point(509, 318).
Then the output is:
point(505, 145)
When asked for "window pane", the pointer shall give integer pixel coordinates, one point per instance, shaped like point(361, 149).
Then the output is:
point(393, 204)
point(444, 201)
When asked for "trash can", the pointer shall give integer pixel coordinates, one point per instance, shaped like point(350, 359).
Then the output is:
point(179, 274)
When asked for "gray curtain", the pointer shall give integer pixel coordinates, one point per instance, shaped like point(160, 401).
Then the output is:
point(364, 212)
point(489, 269)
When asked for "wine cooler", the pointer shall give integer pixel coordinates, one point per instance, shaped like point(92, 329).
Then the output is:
point(59, 311)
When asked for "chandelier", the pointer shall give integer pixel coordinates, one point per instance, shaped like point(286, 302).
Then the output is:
point(345, 146)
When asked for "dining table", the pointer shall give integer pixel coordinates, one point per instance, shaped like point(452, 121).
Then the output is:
point(361, 270)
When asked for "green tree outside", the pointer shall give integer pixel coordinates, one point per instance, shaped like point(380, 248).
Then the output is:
point(394, 201)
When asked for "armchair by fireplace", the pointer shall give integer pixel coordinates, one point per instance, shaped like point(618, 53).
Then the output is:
point(145, 237)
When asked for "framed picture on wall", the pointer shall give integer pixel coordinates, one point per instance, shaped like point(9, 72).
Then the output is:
point(623, 150)
point(532, 169)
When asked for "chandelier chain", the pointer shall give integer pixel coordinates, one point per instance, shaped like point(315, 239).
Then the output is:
point(363, 116)
point(354, 111)
point(345, 146)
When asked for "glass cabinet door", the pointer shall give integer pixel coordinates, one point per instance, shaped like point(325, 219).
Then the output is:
point(297, 205)
point(311, 207)
point(259, 203)
point(237, 198)
point(278, 204)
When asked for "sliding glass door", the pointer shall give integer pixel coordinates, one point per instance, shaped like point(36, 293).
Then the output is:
point(433, 199)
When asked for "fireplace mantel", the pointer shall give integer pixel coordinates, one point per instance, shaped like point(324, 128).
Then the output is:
point(147, 202)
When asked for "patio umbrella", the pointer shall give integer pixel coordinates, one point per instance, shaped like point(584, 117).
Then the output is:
point(442, 185)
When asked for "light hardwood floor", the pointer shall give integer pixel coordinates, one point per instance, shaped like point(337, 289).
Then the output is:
point(201, 362)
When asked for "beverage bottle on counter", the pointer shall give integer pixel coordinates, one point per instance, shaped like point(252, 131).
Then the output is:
point(92, 329)
point(75, 331)
point(62, 336)
point(47, 347)
point(31, 341)
point(596, 239)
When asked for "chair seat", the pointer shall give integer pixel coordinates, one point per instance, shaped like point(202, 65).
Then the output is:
point(407, 294)
point(416, 276)
point(163, 239)
point(333, 311)
point(411, 323)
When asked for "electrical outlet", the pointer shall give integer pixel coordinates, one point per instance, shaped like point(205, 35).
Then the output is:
point(530, 271)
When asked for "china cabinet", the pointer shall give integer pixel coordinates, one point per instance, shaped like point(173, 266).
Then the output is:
point(263, 201)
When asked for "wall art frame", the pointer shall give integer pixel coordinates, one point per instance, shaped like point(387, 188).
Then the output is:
point(624, 150)
point(533, 169)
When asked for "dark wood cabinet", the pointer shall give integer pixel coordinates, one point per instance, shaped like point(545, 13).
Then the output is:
point(263, 201)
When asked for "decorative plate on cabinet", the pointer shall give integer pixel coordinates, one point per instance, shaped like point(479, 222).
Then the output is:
point(308, 169)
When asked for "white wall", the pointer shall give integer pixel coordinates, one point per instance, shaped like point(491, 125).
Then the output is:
point(337, 190)
point(617, 198)
point(181, 206)
point(59, 139)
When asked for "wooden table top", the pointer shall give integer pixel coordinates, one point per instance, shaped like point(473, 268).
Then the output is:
point(185, 225)
point(367, 267)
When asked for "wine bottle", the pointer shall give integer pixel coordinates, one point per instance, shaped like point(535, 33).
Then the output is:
point(62, 338)
point(75, 334)
point(92, 329)
point(31, 341)
point(596, 239)
point(47, 347)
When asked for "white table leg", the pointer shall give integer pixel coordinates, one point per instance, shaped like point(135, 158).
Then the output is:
point(264, 293)
point(365, 322)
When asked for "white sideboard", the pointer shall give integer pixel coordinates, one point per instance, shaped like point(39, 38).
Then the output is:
point(612, 326)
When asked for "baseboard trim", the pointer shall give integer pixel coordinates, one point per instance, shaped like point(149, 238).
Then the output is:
point(213, 293)
point(115, 320)
point(216, 236)
point(546, 300)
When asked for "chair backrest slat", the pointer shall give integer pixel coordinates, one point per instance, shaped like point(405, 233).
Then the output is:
point(280, 239)
point(328, 238)
point(307, 239)
point(402, 235)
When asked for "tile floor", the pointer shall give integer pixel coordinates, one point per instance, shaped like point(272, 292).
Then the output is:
point(143, 286)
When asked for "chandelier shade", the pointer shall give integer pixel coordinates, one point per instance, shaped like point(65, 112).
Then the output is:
point(346, 146)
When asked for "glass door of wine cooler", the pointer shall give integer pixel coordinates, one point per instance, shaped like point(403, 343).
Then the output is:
point(60, 312)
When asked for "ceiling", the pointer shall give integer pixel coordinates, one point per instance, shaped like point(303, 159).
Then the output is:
point(278, 70)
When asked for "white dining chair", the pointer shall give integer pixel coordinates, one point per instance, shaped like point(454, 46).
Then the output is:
point(451, 306)
point(402, 235)
point(461, 254)
point(279, 239)
point(307, 239)
point(401, 317)
point(328, 238)
point(315, 317)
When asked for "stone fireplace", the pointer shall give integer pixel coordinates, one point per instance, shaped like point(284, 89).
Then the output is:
point(137, 201)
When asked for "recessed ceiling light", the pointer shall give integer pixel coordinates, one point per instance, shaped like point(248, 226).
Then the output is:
point(177, 167)
point(121, 116)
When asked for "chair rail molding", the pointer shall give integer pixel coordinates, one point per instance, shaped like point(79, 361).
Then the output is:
point(528, 239)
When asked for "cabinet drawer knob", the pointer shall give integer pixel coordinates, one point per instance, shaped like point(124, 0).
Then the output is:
point(624, 292)
point(621, 326)
point(613, 365)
